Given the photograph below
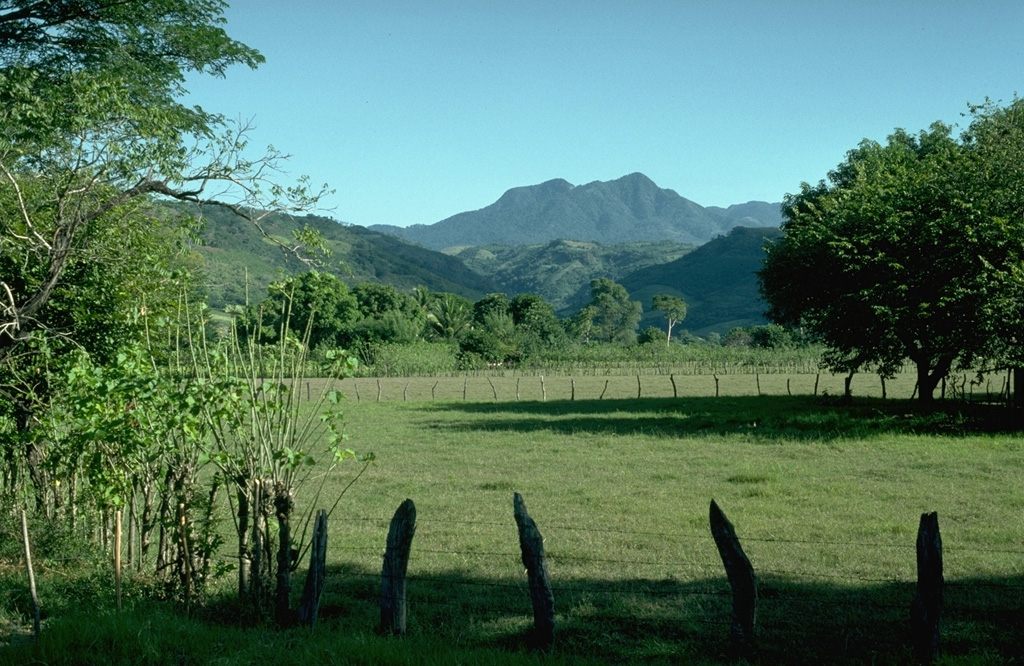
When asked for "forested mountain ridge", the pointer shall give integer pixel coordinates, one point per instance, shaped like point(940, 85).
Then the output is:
point(560, 271)
point(234, 251)
point(631, 208)
point(718, 280)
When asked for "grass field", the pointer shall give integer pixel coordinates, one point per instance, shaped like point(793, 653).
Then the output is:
point(825, 498)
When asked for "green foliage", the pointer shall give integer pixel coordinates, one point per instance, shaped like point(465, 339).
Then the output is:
point(615, 316)
point(909, 251)
point(650, 335)
point(318, 307)
point(674, 309)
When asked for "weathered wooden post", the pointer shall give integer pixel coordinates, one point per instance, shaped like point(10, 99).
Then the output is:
point(309, 605)
point(532, 545)
point(396, 563)
point(927, 606)
point(675, 393)
point(741, 579)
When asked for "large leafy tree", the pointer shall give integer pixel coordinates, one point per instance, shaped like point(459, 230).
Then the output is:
point(909, 251)
point(615, 316)
point(91, 121)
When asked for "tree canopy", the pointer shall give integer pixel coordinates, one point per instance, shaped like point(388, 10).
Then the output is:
point(911, 250)
point(90, 121)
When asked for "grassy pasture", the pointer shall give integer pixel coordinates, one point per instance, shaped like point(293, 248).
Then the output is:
point(825, 498)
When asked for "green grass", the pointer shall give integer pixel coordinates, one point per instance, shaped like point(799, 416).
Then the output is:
point(825, 499)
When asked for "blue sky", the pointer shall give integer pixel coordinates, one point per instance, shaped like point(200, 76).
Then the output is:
point(415, 111)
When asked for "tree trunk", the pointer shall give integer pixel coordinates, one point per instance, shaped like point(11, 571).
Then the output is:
point(283, 505)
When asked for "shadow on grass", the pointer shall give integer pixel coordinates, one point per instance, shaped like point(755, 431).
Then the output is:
point(764, 417)
point(688, 621)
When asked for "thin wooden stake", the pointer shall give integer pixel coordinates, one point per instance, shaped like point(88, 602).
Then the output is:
point(532, 545)
point(31, 576)
point(927, 606)
point(378, 389)
point(572, 395)
point(675, 393)
point(543, 390)
point(788, 390)
point(396, 563)
point(816, 378)
point(465, 385)
point(117, 558)
point(604, 389)
point(405, 393)
point(741, 579)
point(716, 384)
point(493, 390)
point(757, 378)
point(638, 387)
point(433, 389)
point(517, 389)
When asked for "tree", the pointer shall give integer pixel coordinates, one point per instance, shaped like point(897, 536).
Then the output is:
point(616, 316)
point(908, 251)
point(90, 121)
point(674, 309)
point(450, 316)
point(318, 302)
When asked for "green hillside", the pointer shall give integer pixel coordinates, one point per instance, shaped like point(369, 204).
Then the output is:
point(560, 271)
point(717, 280)
point(234, 250)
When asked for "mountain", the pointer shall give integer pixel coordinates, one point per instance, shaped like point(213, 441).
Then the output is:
point(234, 252)
point(629, 209)
point(559, 270)
point(717, 280)
point(752, 213)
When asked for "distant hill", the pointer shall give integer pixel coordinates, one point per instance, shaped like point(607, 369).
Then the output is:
point(752, 213)
point(559, 270)
point(717, 280)
point(234, 250)
point(629, 209)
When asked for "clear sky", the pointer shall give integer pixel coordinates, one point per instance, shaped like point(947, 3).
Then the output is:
point(417, 110)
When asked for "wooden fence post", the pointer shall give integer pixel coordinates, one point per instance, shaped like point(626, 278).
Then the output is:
point(572, 383)
point(638, 386)
point(543, 391)
point(716, 384)
point(493, 390)
point(927, 606)
point(532, 545)
point(309, 605)
point(396, 563)
point(31, 576)
point(741, 579)
point(675, 393)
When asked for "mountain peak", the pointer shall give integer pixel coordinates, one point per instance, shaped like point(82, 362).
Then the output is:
point(630, 208)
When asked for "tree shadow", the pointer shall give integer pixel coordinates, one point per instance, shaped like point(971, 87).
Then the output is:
point(688, 621)
point(759, 417)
